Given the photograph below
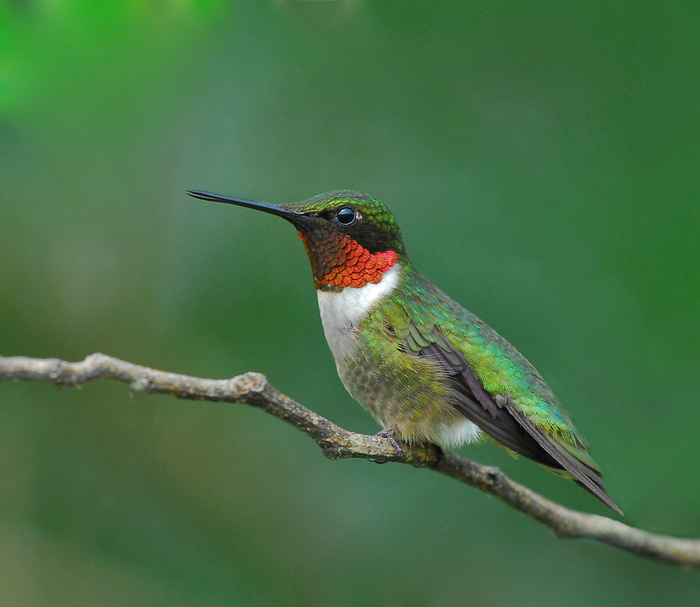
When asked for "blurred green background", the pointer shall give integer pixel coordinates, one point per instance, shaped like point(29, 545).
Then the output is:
point(542, 159)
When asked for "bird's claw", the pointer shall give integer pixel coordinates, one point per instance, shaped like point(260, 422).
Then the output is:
point(390, 435)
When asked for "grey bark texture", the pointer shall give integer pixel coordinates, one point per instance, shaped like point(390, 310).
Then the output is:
point(338, 443)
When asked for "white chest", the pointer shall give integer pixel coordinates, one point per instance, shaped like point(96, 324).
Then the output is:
point(342, 312)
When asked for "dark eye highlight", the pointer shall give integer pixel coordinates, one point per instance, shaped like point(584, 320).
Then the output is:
point(346, 216)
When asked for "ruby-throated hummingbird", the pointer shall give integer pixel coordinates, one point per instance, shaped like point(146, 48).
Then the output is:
point(425, 368)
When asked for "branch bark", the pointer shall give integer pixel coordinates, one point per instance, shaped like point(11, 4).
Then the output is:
point(338, 443)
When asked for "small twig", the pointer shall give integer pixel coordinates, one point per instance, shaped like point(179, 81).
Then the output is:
point(338, 443)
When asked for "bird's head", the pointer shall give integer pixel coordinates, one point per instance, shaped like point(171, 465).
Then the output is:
point(350, 237)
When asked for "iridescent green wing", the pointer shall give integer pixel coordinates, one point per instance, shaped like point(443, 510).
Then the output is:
point(486, 394)
point(426, 341)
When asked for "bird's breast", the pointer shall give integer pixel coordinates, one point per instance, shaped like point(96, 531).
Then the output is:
point(342, 311)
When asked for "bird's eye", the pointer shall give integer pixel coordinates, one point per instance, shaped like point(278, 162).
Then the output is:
point(346, 216)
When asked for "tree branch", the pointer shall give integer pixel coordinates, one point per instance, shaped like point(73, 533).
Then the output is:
point(338, 443)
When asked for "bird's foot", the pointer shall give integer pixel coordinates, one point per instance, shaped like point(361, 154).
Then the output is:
point(390, 435)
point(440, 454)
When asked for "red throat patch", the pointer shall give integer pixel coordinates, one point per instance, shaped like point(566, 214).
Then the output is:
point(346, 263)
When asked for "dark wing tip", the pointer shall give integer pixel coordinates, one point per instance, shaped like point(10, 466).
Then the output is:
point(586, 477)
point(599, 492)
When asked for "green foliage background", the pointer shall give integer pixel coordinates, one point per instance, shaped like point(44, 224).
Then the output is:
point(542, 159)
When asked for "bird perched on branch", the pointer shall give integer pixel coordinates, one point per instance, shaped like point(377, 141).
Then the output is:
point(427, 369)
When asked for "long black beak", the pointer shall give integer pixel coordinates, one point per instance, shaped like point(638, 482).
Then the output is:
point(266, 207)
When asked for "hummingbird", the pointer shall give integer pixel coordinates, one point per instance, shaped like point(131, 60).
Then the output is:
point(427, 369)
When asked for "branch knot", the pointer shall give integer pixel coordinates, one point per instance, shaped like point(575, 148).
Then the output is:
point(248, 383)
